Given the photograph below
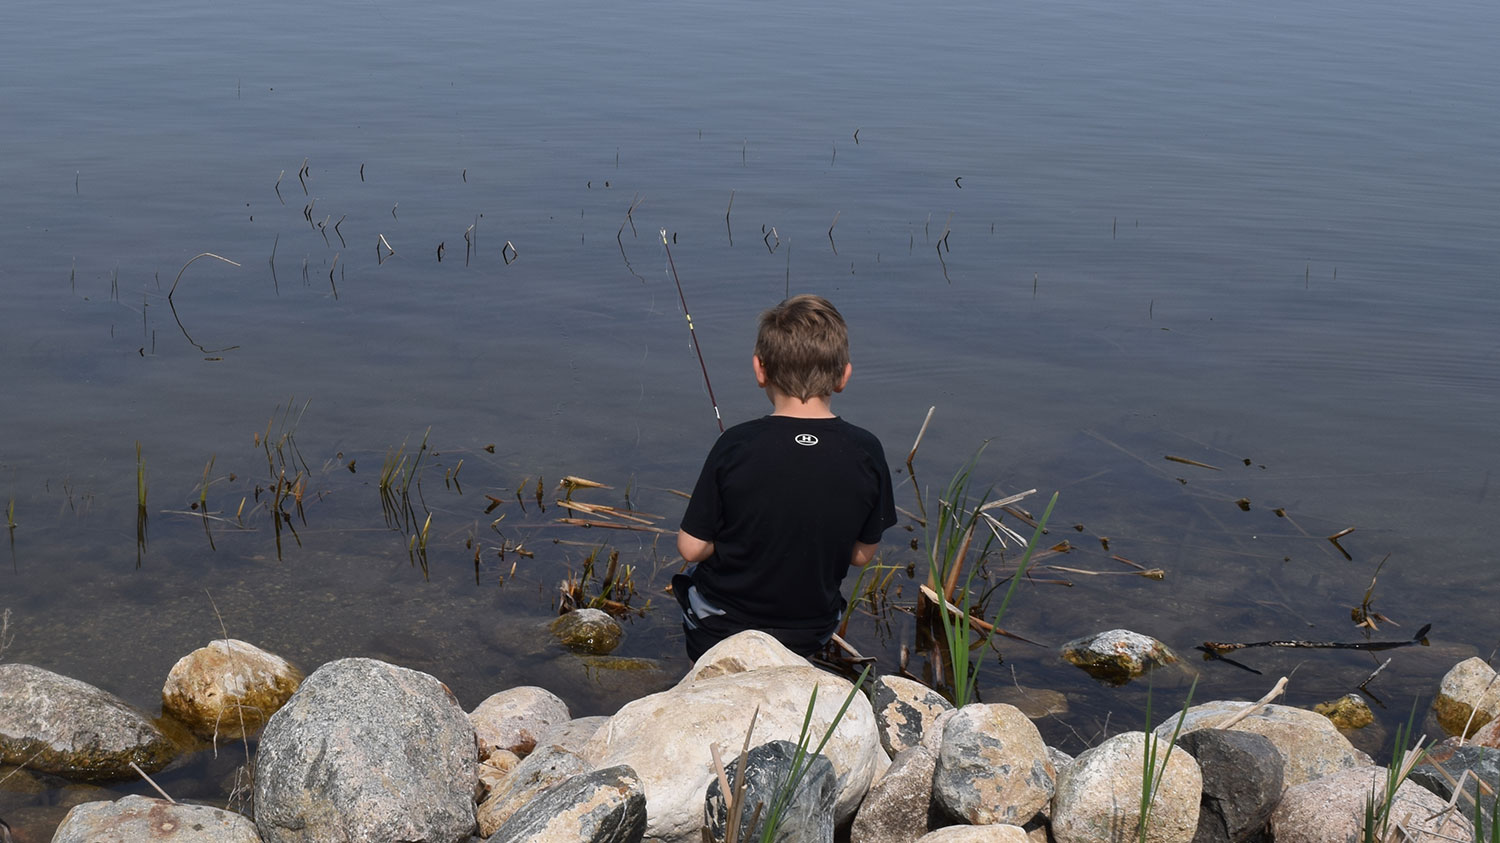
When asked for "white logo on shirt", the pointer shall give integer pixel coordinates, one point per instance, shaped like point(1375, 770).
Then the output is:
point(805, 439)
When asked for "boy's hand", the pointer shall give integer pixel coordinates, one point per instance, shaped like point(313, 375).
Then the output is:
point(692, 548)
point(863, 554)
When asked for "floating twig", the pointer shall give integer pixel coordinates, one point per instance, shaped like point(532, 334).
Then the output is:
point(278, 187)
point(1186, 461)
point(510, 255)
point(301, 173)
point(1223, 647)
point(830, 232)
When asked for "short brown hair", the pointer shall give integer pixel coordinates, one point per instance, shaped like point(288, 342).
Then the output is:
point(803, 346)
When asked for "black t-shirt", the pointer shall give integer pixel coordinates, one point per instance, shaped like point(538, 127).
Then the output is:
point(784, 500)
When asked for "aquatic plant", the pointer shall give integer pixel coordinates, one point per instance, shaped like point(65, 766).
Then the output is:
point(1405, 756)
point(950, 537)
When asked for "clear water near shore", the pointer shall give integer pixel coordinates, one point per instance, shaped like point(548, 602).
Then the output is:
point(1096, 236)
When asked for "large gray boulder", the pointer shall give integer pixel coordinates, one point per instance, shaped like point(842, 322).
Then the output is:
point(367, 751)
point(1309, 742)
point(228, 689)
point(898, 808)
point(1099, 797)
point(1332, 810)
point(137, 819)
point(993, 766)
point(513, 719)
point(604, 806)
point(806, 818)
point(55, 724)
point(665, 737)
point(904, 711)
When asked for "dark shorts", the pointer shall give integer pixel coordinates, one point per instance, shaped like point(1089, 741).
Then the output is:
point(704, 632)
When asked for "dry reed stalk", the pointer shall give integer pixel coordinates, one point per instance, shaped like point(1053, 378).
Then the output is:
point(1276, 691)
point(639, 528)
point(920, 432)
point(153, 784)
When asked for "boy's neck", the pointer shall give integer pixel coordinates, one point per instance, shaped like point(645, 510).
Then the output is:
point(816, 407)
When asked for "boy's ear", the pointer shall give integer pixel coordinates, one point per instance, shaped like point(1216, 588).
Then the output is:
point(844, 381)
point(760, 371)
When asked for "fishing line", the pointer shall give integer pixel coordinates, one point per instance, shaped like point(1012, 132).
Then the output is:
point(694, 334)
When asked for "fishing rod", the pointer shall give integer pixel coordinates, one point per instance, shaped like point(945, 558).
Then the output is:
point(694, 334)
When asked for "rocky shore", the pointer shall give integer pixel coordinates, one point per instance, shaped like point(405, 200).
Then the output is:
point(365, 750)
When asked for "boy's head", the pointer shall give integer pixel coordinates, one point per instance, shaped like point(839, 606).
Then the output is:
point(803, 347)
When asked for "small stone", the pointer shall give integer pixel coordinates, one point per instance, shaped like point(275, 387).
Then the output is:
point(495, 769)
point(588, 631)
point(228, 689)
point(1468, 698)
point(513, 719)
point(138, 818)
point(1347, 712)
point(993, 766)
point(898, 808)
point(904, 711)
point(1118, 655)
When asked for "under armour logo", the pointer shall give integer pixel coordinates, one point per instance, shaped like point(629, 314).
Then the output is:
point(805, 439)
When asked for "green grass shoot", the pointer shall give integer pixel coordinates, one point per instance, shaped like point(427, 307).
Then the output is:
point(1152, 773)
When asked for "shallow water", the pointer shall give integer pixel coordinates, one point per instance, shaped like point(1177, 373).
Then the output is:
point(1218, 233)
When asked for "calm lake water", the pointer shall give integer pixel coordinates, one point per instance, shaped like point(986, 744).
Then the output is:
point(1259, 237)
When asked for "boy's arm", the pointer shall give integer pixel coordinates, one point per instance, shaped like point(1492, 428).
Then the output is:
point(863, 553)
point(692, 548)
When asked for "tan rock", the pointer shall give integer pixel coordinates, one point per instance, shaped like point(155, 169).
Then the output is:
point(1332, 810)
point(1469, 696)
point(666, 737)
point(228, 689)
point(741, 652)
point(516, 718)
point(1347, 712)
point(1100, 794)
point(495, 769)
point(976, 834)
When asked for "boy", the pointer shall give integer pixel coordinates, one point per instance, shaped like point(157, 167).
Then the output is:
point(787, 502)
